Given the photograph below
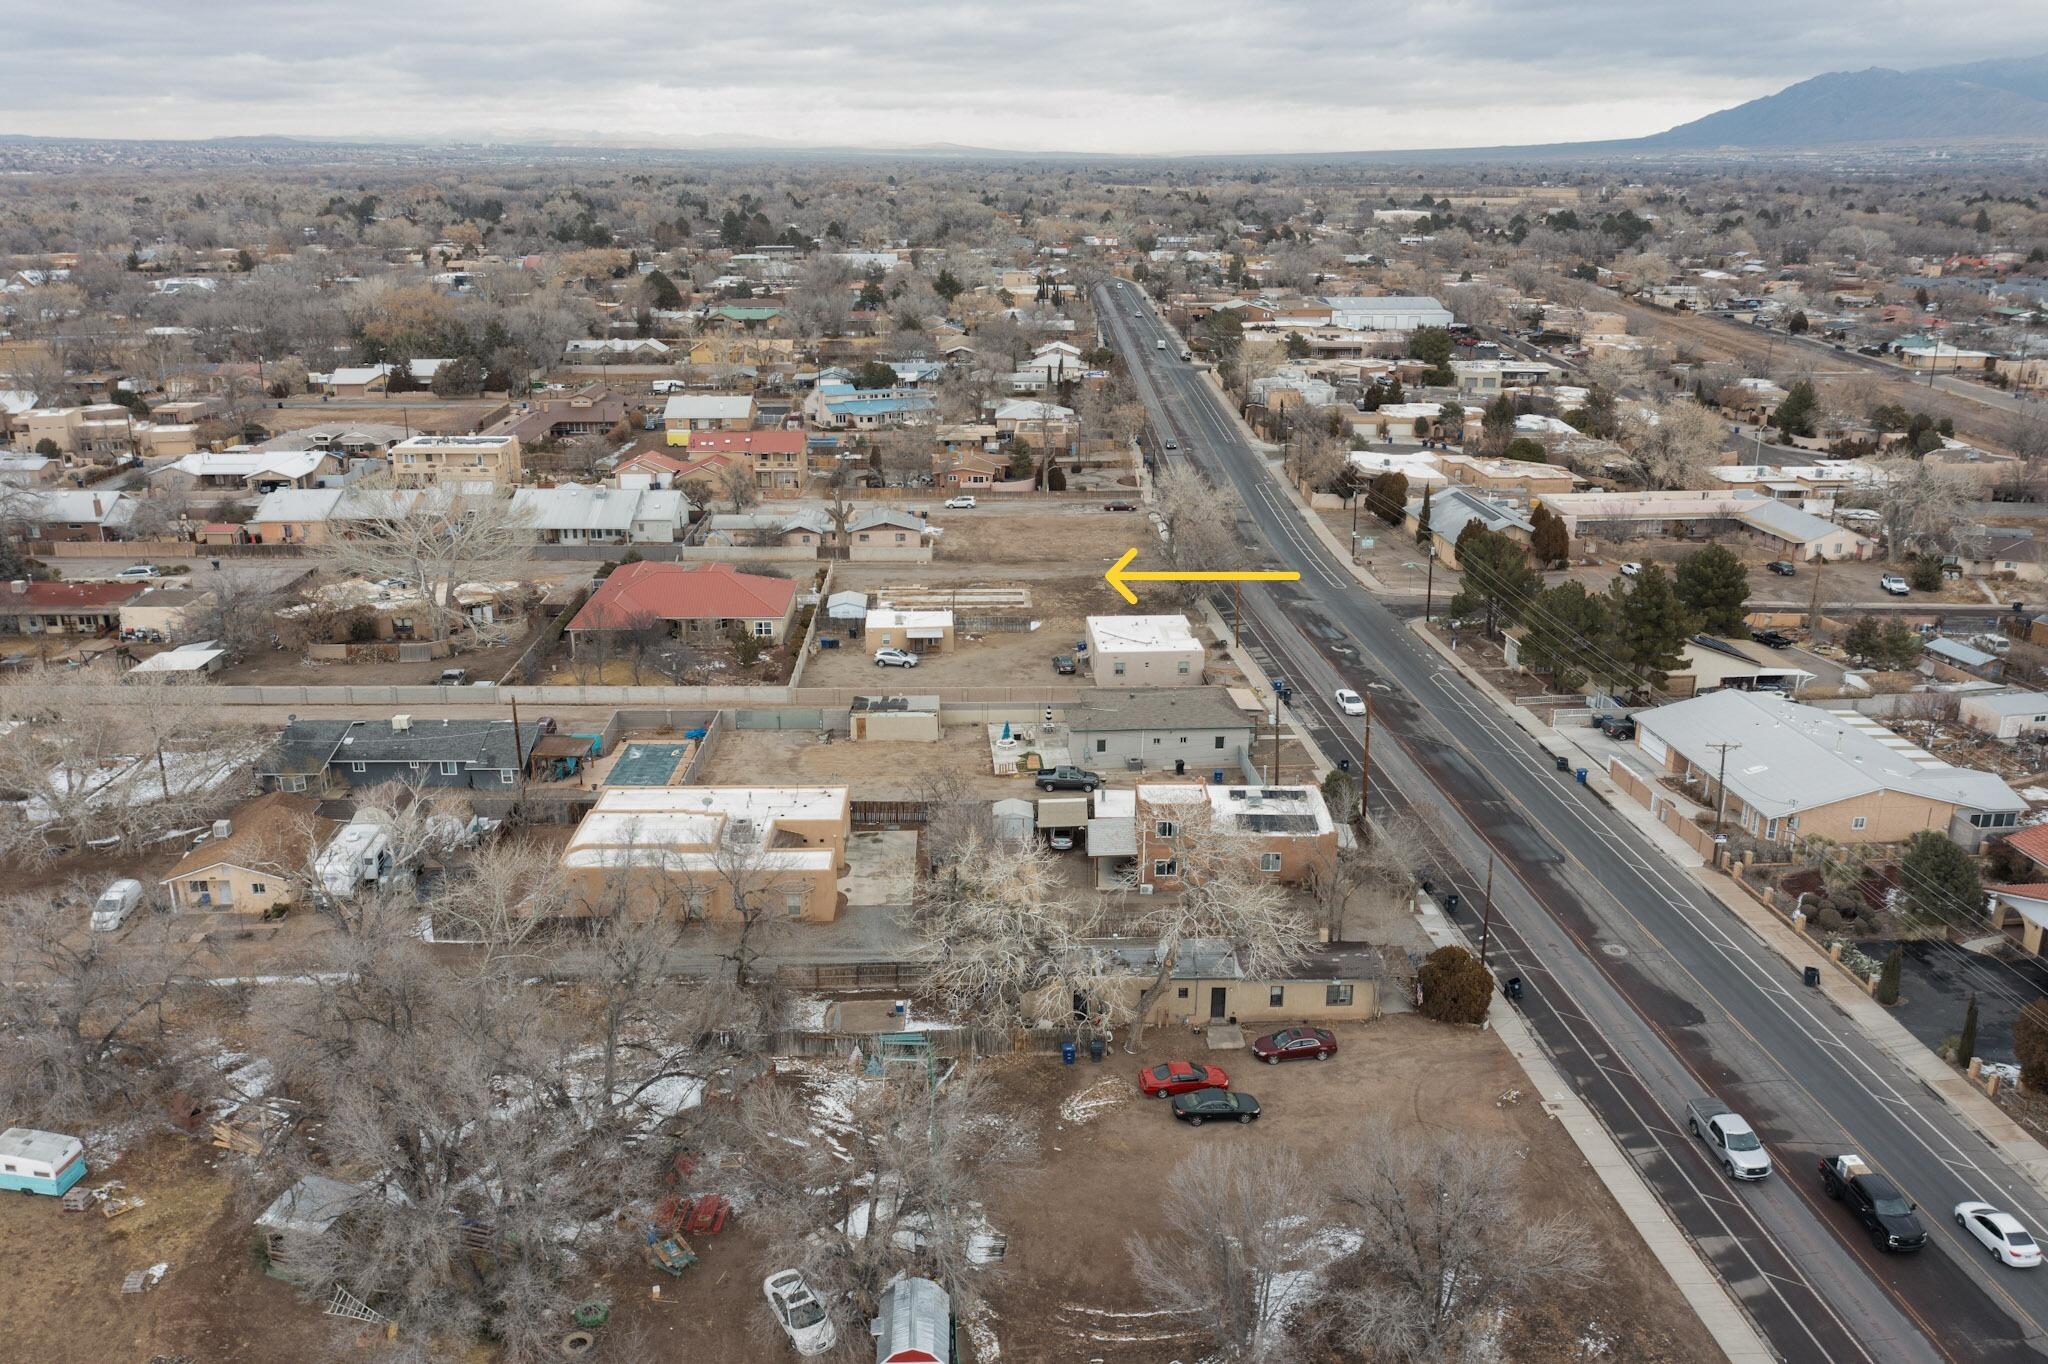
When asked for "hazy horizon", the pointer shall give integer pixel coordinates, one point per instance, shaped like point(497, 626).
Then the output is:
point(1148, 79)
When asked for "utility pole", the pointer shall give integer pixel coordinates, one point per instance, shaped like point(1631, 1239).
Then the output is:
point(1813, 606)
point(1721, 797)
point(1274, 779)
point(1365, 765)
point(1486, 911)
point(1429, 590)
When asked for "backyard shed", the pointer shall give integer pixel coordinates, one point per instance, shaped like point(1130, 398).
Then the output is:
point(915, 1325)
point(305, 1212)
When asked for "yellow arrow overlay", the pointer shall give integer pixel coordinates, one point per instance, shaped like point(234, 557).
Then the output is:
point(1118, 575)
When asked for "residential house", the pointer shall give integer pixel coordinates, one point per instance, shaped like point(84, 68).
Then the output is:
point(917, 632)
point(1711, 663)
point(101, 433)
point(261, 471)
point(1190, 730)
point(1389, 313)
point(705, 601)
point(170, 613)
point(659, 469)
point(1286, 830)
point(576, 514)
point(330, 755)
point(1486, 380)
point(2006, 715)
point(1208, 984)
point(642, 350)
point(1991, 550)
point(29, 471)
point(886, 533)
point(775, 457)
point(371, 381)
point(1153, 651)
point(253, 868)
point(1043, 424)
point(839, 406)
point(690, 852)
point(458, 462)
point(1796, 770)
point(1524, 480)
point(315, 516)
point(685, 413)
point(74, 513)
point(969, 467)
point(1456, 507)
point(2021, 909)
point(48, 608)
point(593, 410)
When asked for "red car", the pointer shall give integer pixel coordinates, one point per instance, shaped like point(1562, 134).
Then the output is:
point(1292, 1044)
point(1180, 1077)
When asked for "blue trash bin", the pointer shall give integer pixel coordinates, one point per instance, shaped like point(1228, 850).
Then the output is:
point(1581, 775)
point(1066, 1053)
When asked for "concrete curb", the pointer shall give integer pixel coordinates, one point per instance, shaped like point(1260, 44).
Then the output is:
point(1883, 1031)
point(1710, 1298)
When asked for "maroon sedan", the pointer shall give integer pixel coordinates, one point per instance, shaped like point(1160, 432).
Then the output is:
point(1180, 1077)
point(1292, 1044)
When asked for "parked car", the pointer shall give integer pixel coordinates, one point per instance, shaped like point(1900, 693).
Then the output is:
point(1119, 506)
point(895, 658)
point(1181, 1077)
point(454, 677)
point(1896, 585)
point(1875, 1201)
point(137, 573)
point(1772, 639)
point(1214, 1105)
point(799, 1313)
point(1350, 702)
point(1621, 727)
point(1063, 664)
point(115, 904)
point(1732, 1140)
point(960, 502)
point(1295, 1044)
point(1784, 568)
point(1068, 779)
point(2000, 1233)
point(1631, 569)
point(1060, 840)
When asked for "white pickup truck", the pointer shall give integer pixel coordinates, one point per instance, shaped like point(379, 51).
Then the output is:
point(1732, 1141)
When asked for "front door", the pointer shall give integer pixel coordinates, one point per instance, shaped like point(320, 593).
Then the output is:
point(1219, 996)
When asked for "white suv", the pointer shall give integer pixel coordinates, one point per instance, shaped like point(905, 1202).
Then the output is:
point(961, 502)
point(1894, 584)
point(894, 658)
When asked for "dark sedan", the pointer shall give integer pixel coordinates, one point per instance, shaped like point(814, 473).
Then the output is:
point(1214, 1105)
point(1772, 639)
point(1294, 1044)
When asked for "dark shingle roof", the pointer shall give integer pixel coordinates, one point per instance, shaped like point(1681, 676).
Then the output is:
point(1163, 708)
point(307, 746)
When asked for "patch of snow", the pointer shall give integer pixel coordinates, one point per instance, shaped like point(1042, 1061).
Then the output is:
point(807, 1013)
point(1095, 1100)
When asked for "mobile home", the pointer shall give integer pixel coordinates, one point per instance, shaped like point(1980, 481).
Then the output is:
point(40, 1162)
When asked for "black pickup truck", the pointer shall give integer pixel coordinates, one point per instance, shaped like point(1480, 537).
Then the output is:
point(1877, 1203)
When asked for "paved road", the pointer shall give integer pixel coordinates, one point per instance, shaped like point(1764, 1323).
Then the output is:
point(1645, 989)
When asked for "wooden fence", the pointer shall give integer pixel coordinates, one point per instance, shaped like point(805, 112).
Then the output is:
point(889, 814)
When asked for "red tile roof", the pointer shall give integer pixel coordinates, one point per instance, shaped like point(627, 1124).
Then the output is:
point(666, 463)
point(751, 442)
point(683, 592)
point(2033, 890)
point(69, 596)
point(2032, 842)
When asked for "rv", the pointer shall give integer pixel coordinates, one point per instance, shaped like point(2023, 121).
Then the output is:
point(359, 855)
point(40, 1162)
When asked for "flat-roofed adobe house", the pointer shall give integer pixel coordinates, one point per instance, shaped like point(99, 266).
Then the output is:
point(712, 852)
point(1153, 651)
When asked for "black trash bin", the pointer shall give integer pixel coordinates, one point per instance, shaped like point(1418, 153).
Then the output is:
point(1513, 988)
point(1095, 1049)
point(1812, 975)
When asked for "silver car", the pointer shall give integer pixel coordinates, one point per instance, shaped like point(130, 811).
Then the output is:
point(799, 1313)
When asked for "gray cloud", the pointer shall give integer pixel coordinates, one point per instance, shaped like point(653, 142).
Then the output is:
point(1125, 75)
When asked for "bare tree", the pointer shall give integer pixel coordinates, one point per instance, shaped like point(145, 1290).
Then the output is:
point(736, 485)
point(1675, 442)
point(434, 541)
point(1445, 1243)
point(1235, 1224)
point(1201, 527)
point(1921, 508)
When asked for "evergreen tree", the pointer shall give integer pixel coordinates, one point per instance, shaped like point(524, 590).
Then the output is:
point(1498, 583)
point(1421, 518)
point(1898, 647)
point(1387, 497)
point(1888, 979)
point(1966, 1042)
point(948, 286)
point(1651, 626)
point(1794, 416)
point(664, 290)
point(1549, 541)
point(1497, 423)
point(1713, 586)
point(1983, 223)
point(1938, 882)
point(1570, 634)
point(1864, 638)
point(1798, 324)
point(1522, 447)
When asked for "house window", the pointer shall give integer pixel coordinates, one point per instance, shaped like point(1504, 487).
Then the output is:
point(1219, 741)
point(1102, 745)
point(1182, 667)
point(1166, 828)
point(1269, 862)
point(1858, 822)
point(793, 903)
point(1181, 993)
point(292, 784)
point(1162, 867)
point(449, 769)
point(1117, 667)
point(258, 888)
point(358, 767)
point(1155, 741)
point(1337, 996)
point(1276, 996)
point(505, 776)
point(764, 629)
point(1771, 831)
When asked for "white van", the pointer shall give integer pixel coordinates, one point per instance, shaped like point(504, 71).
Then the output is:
point(115, 904)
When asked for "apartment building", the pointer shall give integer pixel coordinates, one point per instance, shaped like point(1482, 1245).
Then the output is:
point(456, 461)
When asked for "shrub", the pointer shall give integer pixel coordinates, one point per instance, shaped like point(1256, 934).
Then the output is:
point(1888, 980)
point(1455, 987)
point(1924, 575)
point(2030, 1043)
point(1966, 1041)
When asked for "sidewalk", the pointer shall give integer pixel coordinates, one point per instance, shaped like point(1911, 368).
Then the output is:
point(1709, 1298)
point(1968, 1102)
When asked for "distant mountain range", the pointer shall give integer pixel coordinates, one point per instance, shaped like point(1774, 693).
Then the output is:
point(2004, 100)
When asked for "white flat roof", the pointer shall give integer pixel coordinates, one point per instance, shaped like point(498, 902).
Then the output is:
point(1141, 634)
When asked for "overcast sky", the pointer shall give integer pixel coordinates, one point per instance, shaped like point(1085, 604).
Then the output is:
point(1038, 75)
